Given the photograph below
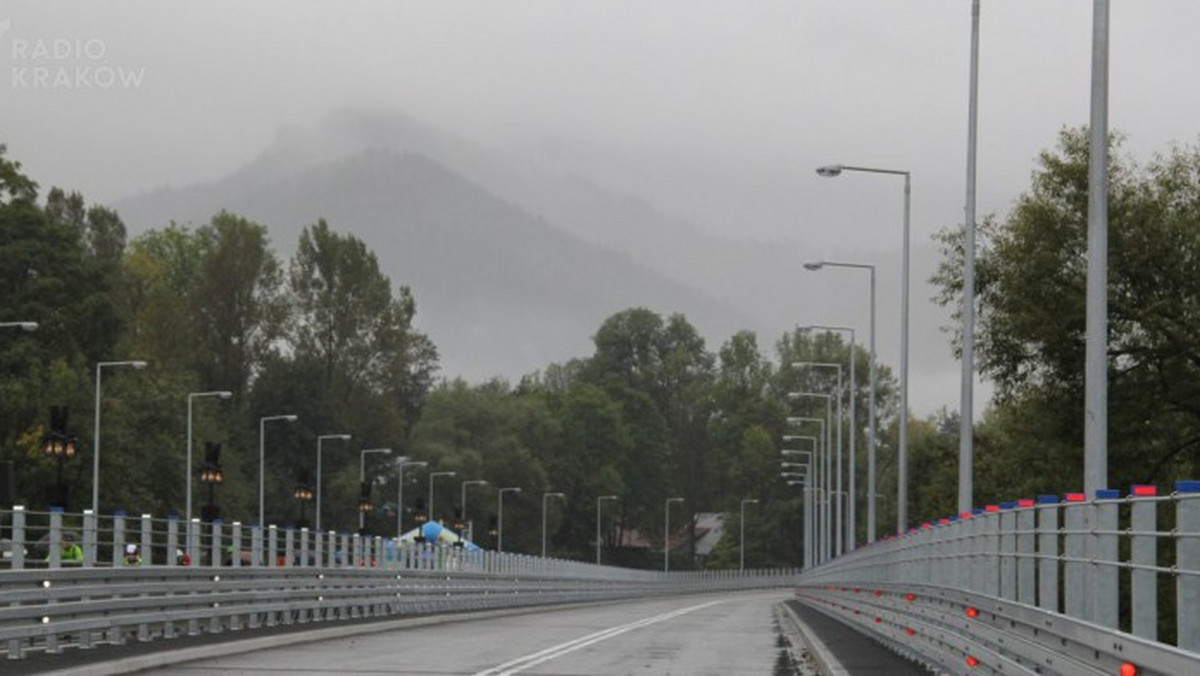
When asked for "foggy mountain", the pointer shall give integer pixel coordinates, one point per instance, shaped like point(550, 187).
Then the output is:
point(515, 264)
point(499, 291)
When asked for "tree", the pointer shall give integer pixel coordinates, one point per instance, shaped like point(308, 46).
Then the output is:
point(1031, 283)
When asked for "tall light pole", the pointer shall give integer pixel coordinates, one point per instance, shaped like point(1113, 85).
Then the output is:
point(546, 496)
point(872, 436)
point(833, 543)
point(362, 477)
point(1095, 422)
point(472, 482)
point(262, 461)
point(966, 429)
point(137, 364)
point(667, 533)
point(902, 451)
point(320, 438)
point(432, 476)
point(852, 509)
point(841, 521)
point(400, 492)
point(222, 394)
point(809, 535)
point(742, 545)
point(599, 500)
point(500, 514)
point(821, 506)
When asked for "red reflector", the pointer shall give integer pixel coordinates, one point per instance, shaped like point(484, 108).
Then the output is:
point(972, 661)
point(972, 612)
point(911, 597)
point(1075, 497)
point(943, 521)
point(992, 508)
point(878, 592)
point(856, 591)
point(911, 631)
point(878, 620)
point(1148, 491)
point(1024, 503)
point(1128, 669)
point(965, 515)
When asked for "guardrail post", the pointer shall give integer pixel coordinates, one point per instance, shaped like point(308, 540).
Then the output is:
point(118, 537)
point(218, 538)
point(289, 549)
point(272, 546)
point(1106, 593)
point(332, 558)
point(89, 538)
point(318, 551)
point(1143, 521)
point(235, 544)
point(193, 541)
point(147, 539)
point(1187, 558)
point(1047, 527)
point(302, 547)
point(1008, 551)
point(173, 541)
point(355, 550)
point(1026, 543)
point(256, 546)
point(1074, 545)
point(54, 553)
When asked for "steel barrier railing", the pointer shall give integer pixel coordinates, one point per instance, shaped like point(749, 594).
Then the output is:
point(65, 579)
point(1066, 585)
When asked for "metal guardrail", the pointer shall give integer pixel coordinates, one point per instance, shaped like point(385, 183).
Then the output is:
point(65, 580)
point(1064, 585)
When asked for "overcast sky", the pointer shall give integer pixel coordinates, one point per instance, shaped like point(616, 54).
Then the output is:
point(716, 111)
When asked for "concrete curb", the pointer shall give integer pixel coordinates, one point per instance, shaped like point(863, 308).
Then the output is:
point(826, 662)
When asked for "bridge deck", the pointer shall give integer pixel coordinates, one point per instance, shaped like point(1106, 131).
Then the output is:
point(854, 652)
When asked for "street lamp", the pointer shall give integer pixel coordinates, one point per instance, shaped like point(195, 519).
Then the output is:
point(262, 461)
point(364, 503)
point(400, 492)
point(137, 364)
point(667, 533)
point(27, 326)
point(465, 520)
point(821, 499)
point(59, 445)
point(872, 437)
point(222, 394)
point(852, 514)
point(742, 546)
point(320, 438)
point(500, 514)
point(211, 474)
point(303, 493)
point(831, 527)
point(432, 476)
point(546, 496)
point(902, 450)
point(837, 483)
point(599, 500)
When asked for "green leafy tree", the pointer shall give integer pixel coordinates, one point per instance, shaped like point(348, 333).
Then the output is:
point(1031, 286)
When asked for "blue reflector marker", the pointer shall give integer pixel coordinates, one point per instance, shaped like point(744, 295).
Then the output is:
point(1108, 494)
point(1187, 486)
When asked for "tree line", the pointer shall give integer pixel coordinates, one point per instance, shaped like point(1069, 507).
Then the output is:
point(652, 413)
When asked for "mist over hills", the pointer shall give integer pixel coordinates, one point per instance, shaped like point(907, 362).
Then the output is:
point(500, 291)
point(513, 263)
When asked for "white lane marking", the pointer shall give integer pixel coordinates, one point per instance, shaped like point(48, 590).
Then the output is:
point(533, 659)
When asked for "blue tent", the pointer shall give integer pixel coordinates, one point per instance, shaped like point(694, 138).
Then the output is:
point(438, 534)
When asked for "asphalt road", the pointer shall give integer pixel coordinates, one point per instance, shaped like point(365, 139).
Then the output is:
point(721, 635)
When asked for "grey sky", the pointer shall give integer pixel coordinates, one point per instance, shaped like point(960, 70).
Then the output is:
point(716, 111)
